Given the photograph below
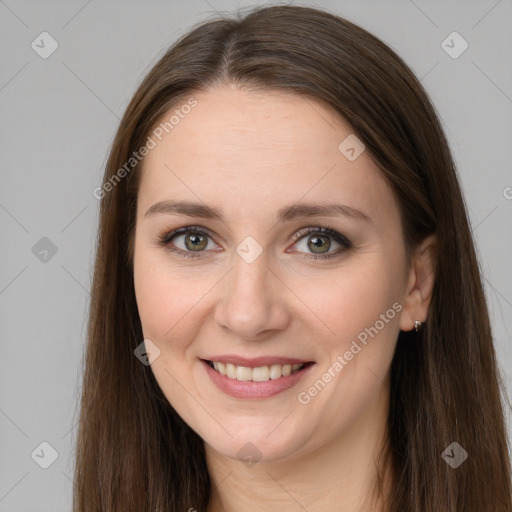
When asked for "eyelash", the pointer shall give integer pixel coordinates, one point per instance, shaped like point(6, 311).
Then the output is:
point(164, 240)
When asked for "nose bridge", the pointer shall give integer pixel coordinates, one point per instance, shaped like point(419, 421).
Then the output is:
point(249, 277)
point(250, 303)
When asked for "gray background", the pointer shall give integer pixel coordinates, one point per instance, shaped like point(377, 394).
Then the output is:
point(58, 117)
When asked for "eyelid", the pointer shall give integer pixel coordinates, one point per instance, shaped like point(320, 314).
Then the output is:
point(327, 230)
point(167, 236)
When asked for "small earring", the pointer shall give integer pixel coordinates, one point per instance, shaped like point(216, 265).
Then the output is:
point(417, 325)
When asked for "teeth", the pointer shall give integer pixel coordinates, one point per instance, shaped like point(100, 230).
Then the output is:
point(231, 371)
point(259, 374)
point(275, 371)
point(243, 373)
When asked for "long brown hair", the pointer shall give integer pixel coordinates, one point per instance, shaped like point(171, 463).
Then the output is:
point(133, 452)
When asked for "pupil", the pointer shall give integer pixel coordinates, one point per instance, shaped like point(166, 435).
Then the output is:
point(316, 243)
point(194, 242)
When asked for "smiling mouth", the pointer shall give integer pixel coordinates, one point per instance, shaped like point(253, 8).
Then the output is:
point(257, 374)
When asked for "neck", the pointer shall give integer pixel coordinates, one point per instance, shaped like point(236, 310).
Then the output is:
point(341, 476)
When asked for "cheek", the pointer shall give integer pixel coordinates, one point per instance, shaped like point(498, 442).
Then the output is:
point(346, 301)
point(166, 298)
point(358, 320)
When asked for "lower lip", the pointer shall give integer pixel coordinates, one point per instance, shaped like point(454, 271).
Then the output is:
point(249, 389)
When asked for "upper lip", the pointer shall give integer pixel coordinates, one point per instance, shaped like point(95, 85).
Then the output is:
point(255, 362)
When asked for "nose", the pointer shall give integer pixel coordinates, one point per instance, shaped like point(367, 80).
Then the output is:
point(252, 303)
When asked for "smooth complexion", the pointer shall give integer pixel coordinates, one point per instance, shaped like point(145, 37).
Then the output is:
point(249, 154)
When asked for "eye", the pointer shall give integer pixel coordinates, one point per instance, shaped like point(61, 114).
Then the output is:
point(192, 241)
point(189, 241)
point(318, 240)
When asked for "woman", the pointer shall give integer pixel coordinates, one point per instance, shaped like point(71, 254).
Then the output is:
point(287, 309)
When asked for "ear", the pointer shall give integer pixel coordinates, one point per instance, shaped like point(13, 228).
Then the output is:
point(420, 283)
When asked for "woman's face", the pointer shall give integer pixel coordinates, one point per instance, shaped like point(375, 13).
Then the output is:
point(257, 284)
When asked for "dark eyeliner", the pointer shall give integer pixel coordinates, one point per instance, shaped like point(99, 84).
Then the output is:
point(164, 239)
point(329, 231)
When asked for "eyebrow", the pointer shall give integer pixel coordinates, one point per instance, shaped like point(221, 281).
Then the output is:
point(286, 214)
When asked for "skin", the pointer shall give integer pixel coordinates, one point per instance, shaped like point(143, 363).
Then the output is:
point(249, 154)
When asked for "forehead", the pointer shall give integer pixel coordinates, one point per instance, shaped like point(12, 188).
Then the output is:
point(244, 149)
